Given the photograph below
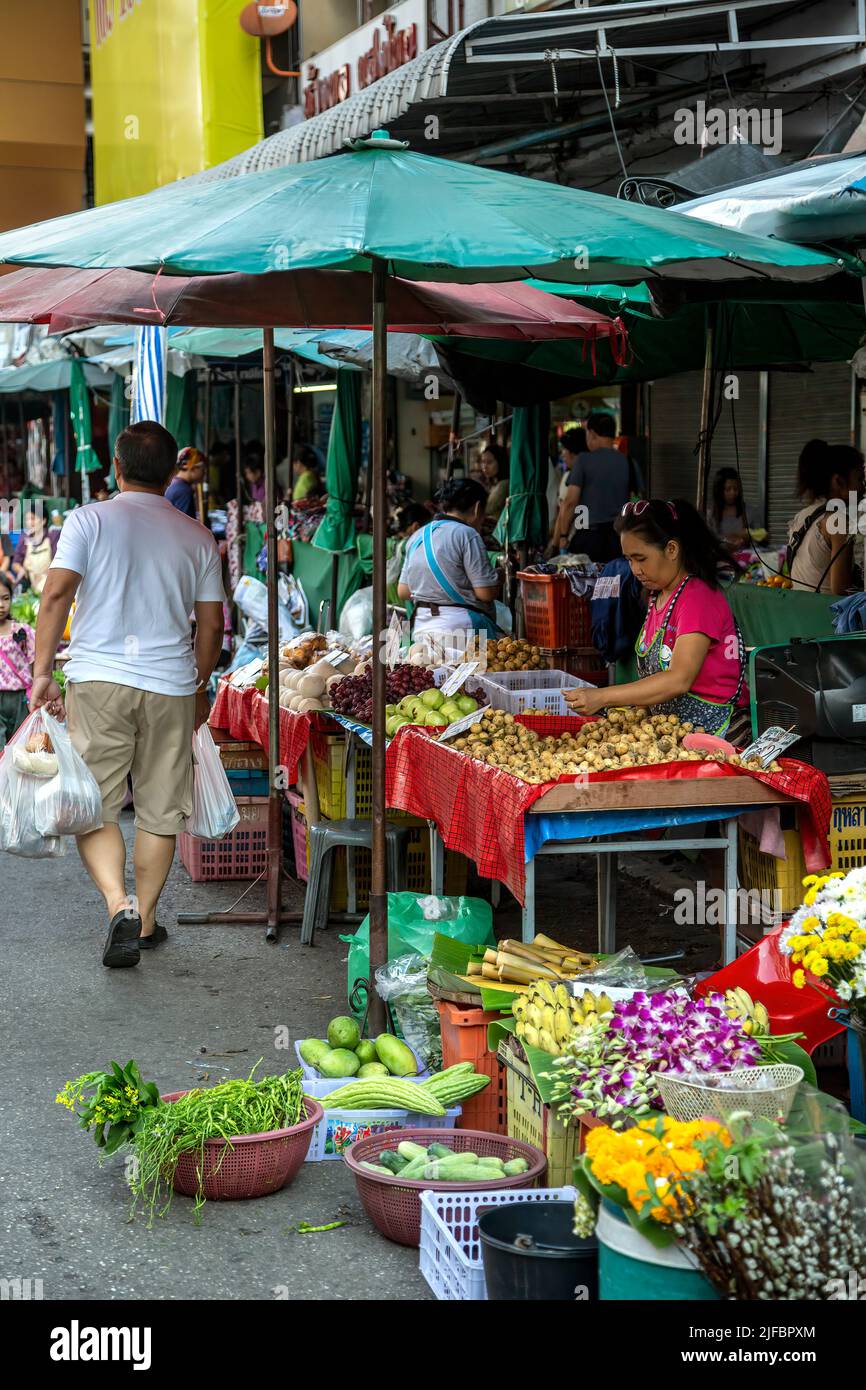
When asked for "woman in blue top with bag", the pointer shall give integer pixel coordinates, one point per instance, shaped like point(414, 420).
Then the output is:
point(447, 574)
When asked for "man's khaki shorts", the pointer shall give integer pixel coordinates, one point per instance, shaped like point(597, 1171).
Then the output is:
point(119, 730)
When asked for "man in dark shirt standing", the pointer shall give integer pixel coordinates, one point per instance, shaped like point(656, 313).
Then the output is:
point(599, 484)
point(190, 472)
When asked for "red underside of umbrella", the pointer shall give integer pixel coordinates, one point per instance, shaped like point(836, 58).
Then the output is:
point(327, 299)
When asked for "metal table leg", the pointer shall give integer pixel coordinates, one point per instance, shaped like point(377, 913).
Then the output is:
point(351, 879)
point(437, 861)
point(729, 946)
point(607, 869)
point(529, 909)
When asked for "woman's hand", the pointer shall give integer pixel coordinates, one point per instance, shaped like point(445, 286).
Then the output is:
point(586, 700)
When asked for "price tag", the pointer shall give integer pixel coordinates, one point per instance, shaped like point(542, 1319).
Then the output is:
point(247, 675)
point(459, 677)
point(335, 658)
point(858, 714)
point(461, 725)
point(771, 745)
point(608, 586)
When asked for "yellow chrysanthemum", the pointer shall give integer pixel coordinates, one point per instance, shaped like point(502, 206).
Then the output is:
point(819, 966)
point(799, 979)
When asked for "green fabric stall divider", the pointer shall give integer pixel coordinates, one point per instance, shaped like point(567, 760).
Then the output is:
point(364, 547)
point(312, 569)
point(469, 920)
point(337, 530)
point(524, 520)
point(118, 419)
point(180, 408)
point(86, 457)
point(254, 538)
point(768, 617)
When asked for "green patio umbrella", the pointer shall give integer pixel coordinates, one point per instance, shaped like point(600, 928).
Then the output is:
point(337, 530)
point(86, 457)
point(524, 521)
point(388, 210)
point(118, 419)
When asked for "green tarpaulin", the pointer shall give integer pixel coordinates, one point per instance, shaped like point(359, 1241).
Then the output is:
point(311, 568)
point(337, 530)
point(180, 407)
point(771, 616)
point(524, 520)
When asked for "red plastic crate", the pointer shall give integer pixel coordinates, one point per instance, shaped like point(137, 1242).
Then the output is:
point(553, 614)
point(585, 662)
point(464, 1039)
point(242, 854)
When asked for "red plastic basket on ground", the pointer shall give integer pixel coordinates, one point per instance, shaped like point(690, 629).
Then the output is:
point(464, 1039)
point(553, 614)
point(242, 854)
point(254, 1165)
point(765, 974)
point(394, 1206)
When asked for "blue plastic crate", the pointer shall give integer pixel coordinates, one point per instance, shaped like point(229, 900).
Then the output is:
point(247, 782)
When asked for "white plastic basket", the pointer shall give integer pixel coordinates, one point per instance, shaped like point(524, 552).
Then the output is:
point(450, 1251)
point(538, 691)
point(310, 1073)
point(690, 1098)
point(340, 1128)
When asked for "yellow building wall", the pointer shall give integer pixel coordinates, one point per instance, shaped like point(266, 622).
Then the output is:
point(42, 135)
point(176, 89)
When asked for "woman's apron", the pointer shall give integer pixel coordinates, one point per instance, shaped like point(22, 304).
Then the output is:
point(37, 562)
point(712, 715)
point(481, 622)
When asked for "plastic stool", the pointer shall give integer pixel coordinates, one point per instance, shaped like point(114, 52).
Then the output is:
point(353, 834)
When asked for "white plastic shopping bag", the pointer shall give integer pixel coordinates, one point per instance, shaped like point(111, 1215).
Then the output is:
point(214, 810)
point(27, 764)
point(70, 803)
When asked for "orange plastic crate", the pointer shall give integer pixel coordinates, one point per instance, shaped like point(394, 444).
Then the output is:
point(464, 1039)
point(553, 614)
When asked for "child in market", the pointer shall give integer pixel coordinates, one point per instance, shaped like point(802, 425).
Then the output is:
point(17, 648)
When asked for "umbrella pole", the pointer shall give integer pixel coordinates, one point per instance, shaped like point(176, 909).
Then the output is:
point(454, 435)
point(239, 482)
point(377, 494)
point(335, 584)
point(704, 435)
point(273, 916)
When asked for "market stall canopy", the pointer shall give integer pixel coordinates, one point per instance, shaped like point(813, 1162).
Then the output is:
point(50, 376)
point(67, 299)
point(821, 201)
point(427, 218)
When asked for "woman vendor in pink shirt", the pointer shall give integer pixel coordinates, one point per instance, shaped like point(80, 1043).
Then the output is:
point(690, 654)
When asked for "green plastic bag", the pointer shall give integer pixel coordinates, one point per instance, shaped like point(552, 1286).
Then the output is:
point(413, 920)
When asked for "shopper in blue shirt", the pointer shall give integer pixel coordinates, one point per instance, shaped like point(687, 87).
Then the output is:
point(181, 492)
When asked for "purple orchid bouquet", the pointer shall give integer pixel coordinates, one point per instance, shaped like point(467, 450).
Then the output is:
point(607, 1069)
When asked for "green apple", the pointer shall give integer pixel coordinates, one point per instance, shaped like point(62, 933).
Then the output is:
point(395, 722)
point(432, 699)
point(450, 711)
point(390, 709)
point(407, 704)
point(466, 704)
point(434, 719)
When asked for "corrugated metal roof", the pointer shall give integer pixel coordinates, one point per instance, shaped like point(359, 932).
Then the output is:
point(380, 105)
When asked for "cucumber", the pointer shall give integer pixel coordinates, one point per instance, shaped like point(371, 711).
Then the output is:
point(394, 1162)
point(414, 1170)
point(375, 1168)
point(465, 1173)
point(439, 1151)
point(408, 1150)
point(515, 1166)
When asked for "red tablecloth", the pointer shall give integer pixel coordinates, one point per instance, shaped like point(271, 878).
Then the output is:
point(479, 809)
point(245, 714)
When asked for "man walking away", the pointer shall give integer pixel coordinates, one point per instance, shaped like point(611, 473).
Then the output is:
point(599, 481)
point(135, 682)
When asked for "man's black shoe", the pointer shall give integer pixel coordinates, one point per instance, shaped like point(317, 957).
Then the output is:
point(121, 944)
point(150, 943)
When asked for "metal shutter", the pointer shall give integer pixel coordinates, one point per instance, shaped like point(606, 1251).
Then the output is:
point(675, 406)
point(803, 406)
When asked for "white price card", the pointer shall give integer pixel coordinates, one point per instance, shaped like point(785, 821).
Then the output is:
point(459, 677)
point(247, 675)
point(335, 658)
point(608, 586)
point(771, 745)
point(394, 641)
point(858, 714)
point(461, 725)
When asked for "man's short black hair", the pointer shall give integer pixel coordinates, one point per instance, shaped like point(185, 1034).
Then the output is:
point(601, 423)
point(147, 454)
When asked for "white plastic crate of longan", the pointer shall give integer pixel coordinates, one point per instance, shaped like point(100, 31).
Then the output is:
point(529, 692)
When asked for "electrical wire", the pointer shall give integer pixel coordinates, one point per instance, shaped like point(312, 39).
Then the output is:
point(613, 129)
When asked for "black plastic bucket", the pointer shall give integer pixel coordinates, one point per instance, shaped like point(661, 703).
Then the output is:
point(558, 1267)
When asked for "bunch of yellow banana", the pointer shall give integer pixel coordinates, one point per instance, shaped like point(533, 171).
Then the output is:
point(740, 1005)
point(548, 1016)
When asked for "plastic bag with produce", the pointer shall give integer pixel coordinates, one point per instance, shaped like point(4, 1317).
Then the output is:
point(402, 983)
point(70, 802)
point(28, 761)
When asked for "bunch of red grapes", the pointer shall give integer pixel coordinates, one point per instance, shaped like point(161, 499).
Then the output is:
point(353, 695)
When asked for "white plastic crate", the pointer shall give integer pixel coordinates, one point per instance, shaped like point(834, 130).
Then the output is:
point(340, 1128)
point(450, 1251)
point(310, 1073)
point(538, 691)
